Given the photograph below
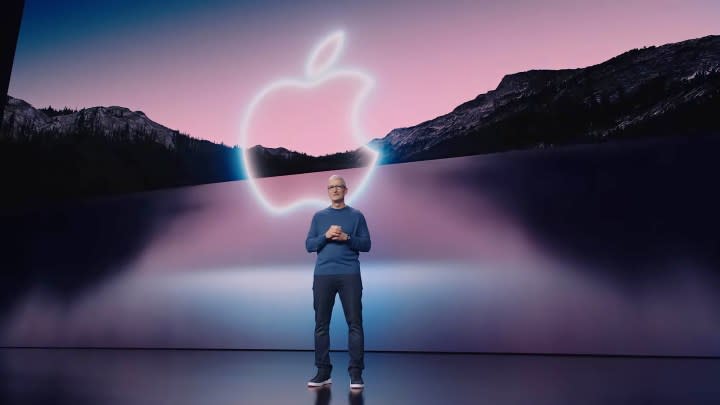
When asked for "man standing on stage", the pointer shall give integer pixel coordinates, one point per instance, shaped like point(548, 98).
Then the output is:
point(338, 234)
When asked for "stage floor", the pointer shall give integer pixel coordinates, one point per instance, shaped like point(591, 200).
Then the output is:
point(208, 377)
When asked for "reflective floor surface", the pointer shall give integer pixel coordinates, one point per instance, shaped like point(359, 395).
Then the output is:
point(178, 377)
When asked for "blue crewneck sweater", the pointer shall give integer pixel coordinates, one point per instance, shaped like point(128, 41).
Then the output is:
point(338, 257)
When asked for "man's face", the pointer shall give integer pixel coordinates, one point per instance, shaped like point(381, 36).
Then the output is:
point(336, 190)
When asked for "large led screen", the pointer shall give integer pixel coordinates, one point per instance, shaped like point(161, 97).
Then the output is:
point(537, 176)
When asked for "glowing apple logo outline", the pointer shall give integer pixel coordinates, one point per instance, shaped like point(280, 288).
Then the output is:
point(316, 72)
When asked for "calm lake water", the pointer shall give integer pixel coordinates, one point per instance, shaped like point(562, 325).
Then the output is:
point(607, 248)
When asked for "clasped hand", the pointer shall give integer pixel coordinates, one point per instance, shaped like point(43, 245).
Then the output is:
point(335, 233)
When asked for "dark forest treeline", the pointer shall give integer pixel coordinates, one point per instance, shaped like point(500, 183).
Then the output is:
point(267, 164)
point(38, 167)
point(42, 167)
point(53, 112)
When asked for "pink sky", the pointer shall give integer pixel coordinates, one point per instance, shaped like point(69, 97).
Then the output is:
point(426, 58)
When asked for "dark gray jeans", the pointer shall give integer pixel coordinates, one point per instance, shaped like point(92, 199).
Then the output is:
point(349, 287)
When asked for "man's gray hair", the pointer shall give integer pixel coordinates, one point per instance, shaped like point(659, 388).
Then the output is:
point(335, 176)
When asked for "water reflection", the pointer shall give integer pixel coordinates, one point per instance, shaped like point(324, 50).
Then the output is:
point(594, 249)
point(356, 397)
point(324, 394)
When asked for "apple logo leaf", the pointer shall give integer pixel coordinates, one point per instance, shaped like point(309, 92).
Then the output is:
point(325, 54)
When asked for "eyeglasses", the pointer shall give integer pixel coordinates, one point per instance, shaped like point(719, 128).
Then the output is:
point(341, 187)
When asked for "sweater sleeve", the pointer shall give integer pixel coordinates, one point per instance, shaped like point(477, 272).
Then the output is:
point(360, 240)
point(314, 241)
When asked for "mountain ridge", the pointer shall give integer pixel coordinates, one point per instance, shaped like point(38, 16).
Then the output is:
point(592, 88)
point(672, 89)
point(21, 119)
point(620, 76)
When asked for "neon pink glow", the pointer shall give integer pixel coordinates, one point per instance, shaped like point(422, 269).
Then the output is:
point(318, 113)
